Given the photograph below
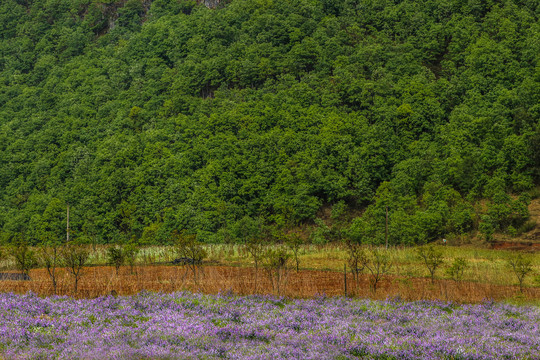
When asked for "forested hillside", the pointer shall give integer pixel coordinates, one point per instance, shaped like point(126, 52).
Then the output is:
point(150, 116)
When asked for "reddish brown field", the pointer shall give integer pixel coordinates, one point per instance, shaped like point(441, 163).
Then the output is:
point(98, 281)
point(516, 246)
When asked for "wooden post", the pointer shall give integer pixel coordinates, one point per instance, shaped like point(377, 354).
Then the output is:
point(67, 224)
point(386, 229)
point(345, 278)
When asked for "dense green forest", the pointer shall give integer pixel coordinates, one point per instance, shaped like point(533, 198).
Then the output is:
point(153, 116)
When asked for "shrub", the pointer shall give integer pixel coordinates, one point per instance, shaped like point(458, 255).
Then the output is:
point(487, 228)
point(527, 226)
point(535, 193)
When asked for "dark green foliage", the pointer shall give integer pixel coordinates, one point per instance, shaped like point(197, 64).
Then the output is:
point(150, 116)
point(487, 228)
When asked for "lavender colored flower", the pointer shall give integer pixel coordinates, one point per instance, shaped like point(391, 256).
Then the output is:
point(195, 326)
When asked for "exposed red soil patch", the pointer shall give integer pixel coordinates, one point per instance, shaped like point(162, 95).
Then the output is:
point(99, 281)
point(518, 246)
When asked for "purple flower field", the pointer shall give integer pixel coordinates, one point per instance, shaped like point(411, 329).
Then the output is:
point(195, 326)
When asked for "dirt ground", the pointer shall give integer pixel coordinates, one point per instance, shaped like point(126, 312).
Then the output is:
point(516, 246)
point(102, 280)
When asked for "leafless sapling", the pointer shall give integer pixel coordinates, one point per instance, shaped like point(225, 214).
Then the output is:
point(50, 258)
point(255, 248)
point(294, 242)
point(379, 263)
point(357, 259)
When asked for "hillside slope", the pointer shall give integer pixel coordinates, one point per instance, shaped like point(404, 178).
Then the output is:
point(150, 116)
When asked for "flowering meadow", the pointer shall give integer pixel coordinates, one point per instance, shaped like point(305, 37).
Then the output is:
point(195, 326)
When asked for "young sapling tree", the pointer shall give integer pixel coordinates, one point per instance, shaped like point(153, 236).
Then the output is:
point(191, 250)
point(276, 262)
point(379, 264)
point(457, 269)
point(252, 233)
point(431, 258)
point(294, 242)
point(131, 250)
point(357, 259)
point(116, 257)
point(521, 267)
point(52, 232)
point(255, 248)
point(75, 257)
point(25, 258)
point(49, 257)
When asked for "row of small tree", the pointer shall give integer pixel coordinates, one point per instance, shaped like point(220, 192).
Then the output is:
point(432, 258)
point(520, 265)
point(70, 255)
point(276, 259)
